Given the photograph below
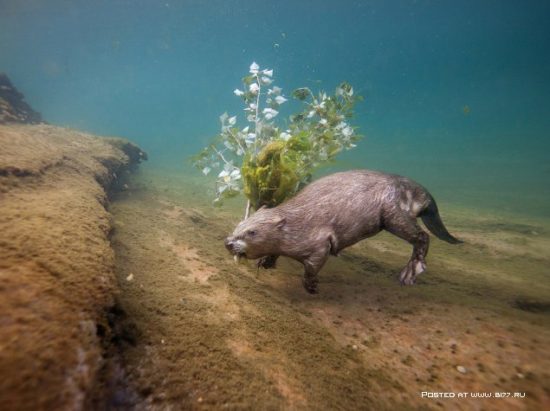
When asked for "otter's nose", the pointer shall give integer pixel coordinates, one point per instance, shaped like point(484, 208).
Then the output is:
point(229, 243)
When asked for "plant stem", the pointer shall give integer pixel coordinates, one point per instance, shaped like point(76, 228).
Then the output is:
point(256, 119)
point(219, 153)
point(247, 210)
point(238, 142)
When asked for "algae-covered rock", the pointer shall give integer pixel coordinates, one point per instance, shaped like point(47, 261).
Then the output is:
point(13, 108)
point(56, 263)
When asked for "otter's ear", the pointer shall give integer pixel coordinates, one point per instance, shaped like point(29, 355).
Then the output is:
point(280, 223)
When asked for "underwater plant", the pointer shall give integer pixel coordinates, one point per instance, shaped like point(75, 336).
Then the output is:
point(268, 163)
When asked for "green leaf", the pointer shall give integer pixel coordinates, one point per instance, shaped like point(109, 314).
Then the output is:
point(248, 80)
point(301, 93)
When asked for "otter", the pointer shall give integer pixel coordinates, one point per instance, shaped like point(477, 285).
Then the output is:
point(335, 212)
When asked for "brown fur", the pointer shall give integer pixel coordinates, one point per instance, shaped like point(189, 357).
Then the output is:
point(336, 212)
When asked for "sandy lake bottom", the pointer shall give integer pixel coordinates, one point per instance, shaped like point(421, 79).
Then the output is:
point(195, 330)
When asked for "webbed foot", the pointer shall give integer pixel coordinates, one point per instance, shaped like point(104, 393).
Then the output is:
point(267, 262)
point(310, 285)
point(411, 270)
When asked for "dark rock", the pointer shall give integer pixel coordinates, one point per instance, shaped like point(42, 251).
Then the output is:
point(13, 108)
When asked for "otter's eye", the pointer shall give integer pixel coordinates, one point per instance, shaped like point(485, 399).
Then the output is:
point(251, 233)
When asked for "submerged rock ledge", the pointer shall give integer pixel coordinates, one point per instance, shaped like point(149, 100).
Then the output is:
point(57, 275)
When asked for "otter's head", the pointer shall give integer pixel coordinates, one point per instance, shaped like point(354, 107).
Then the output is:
point(257, 236)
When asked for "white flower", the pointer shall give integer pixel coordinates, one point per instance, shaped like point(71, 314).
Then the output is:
point(251, 118)
point(254, 88)
point(310, 114)
point(285, 136)
point(232, 120)
point(268, 73)
point(238, 92)
point(254, 68)
point(269, 113)
point(341, 125)
point(249, 140)
point(245, 130)
point(280, 99)
point(340, 91)
point(206, 170)
point(323, 121)
point(347, 131)
point(274, 90)
point(229, 176)
point(266, 80)
point(235, 174)
point(252, 106)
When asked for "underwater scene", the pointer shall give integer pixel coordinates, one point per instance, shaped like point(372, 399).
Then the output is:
point(288, 205)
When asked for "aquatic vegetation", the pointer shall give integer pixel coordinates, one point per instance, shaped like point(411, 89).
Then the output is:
point(269, 163)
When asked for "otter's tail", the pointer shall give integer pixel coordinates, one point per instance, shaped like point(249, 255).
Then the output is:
point(432, 220)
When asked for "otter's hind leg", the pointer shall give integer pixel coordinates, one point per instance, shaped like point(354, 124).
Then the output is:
point(405, 227)
point(312, 266)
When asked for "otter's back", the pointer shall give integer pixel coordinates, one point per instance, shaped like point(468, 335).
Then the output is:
point(351, 184)
point(358, 191)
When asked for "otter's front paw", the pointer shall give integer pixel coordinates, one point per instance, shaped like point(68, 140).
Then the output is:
point(267, 262)
point(310, 285)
